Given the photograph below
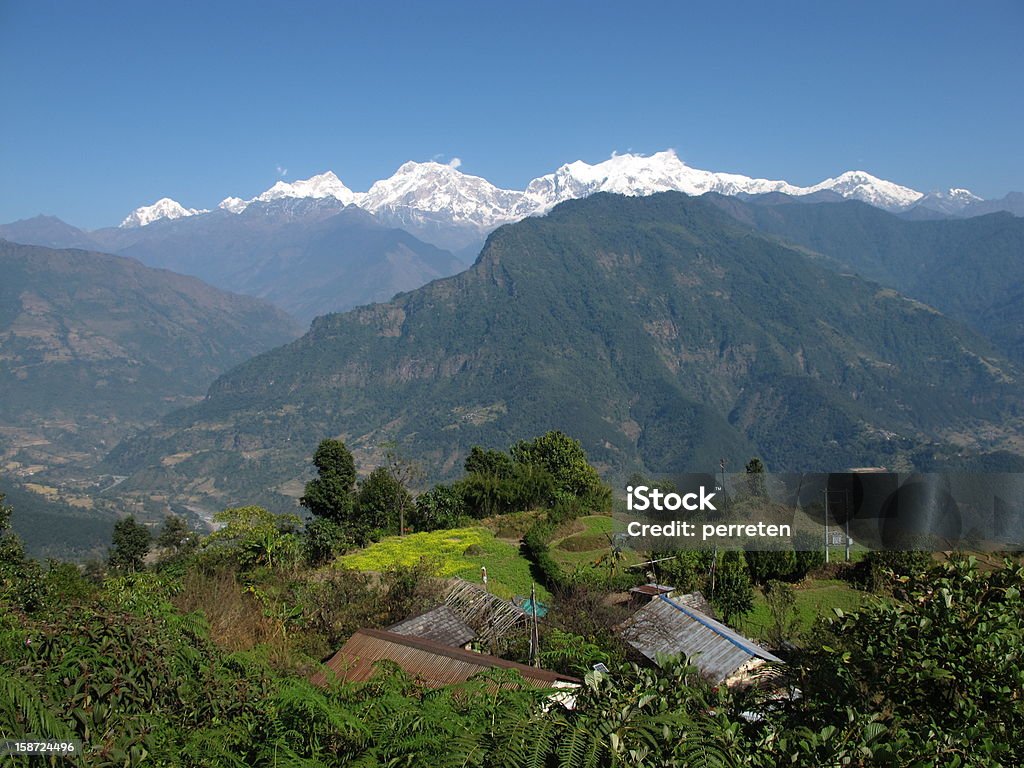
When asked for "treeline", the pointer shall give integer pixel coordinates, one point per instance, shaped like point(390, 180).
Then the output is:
point(549, 472)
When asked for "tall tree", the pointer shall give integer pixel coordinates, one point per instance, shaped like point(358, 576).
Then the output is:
point(329, 495)
point(484, 461)
point(176, 537)
point(407, 473)
point(255, 536)
point(755, 479)
point(129, 545)
point(734, 594)
point(378, 504)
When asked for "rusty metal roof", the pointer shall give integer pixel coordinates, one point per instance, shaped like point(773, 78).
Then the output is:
point(433, 664)
point(666, 626)
point(442, 625)
point(652, 589)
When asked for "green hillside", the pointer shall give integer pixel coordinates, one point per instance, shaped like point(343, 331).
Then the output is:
point(454, 552)
point(971, 269)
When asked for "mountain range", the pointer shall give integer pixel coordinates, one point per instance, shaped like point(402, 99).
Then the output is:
point(420, 193)
point(664, 331)
point(428, 220)
point(970, 269)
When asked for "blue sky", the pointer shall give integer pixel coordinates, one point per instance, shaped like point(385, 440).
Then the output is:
point(107, 106)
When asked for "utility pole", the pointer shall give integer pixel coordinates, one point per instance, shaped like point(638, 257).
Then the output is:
point(826, 526)
point(846, 497)
point(725, 508)
point(534, 632)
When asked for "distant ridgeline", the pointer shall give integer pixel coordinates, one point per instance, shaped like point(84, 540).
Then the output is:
point(308, 256)
point(663, 332)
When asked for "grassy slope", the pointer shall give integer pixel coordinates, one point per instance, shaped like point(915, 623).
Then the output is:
point(508, 573)
point(814, 598)
point(585, 542)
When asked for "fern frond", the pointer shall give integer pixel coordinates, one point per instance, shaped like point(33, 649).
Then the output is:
point(19, 698)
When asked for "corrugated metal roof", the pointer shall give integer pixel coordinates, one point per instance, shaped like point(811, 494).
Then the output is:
point(433, 664)
point(668, 627)
point(442, 625)
point(696, 600)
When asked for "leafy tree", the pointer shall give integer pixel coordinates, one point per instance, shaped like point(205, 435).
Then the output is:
point(66, 583)
point(733, 595)
point(877, 569)
point(378, 503)
point(687, 571)
point(772, 563)
point(809, 555)
point(129, 545)
point(483, 461)
point(254, 536)
point(176, 537)
point(408, 474)
point(440, 507)
point(565, 459)
point(782, 608)
point(944, 665)
point(532, 486)
point(755, 479)
point(324, 540)
point(329, 495)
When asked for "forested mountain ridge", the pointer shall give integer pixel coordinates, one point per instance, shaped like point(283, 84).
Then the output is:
point(659, 330)
point(971, 269)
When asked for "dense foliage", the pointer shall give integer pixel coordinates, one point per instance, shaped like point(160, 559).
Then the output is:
point(346, 511)
point(930, 676)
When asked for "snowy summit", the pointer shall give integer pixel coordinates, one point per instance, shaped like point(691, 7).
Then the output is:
point(164, 208)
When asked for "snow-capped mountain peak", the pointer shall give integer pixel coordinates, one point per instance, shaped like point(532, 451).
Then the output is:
point(861, 185)
point(637, 175)
point(426, 197)
point(164, 208)
point(439, 188)
point(951, 201)
point(316, 187)
point(233, 204)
